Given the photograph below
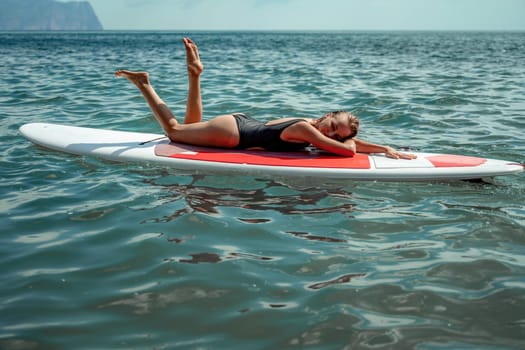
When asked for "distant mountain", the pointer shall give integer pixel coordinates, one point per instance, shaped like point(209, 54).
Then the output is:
point(47, 15)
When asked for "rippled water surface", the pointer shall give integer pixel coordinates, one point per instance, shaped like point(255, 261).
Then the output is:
point(95, 254)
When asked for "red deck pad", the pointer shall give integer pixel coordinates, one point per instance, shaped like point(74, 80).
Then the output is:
point(448, 160)
point(290, 159)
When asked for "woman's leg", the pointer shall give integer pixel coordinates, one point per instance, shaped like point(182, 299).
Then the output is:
point(159, 108)
point(219, 132)
point(195, 68)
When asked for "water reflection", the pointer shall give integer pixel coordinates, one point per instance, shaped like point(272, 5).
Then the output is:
point(202, 258)
point(213, 258)
point(339, 280)
point(311, 237)
point(201, 197)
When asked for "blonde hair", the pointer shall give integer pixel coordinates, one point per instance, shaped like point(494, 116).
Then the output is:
point(353, 122)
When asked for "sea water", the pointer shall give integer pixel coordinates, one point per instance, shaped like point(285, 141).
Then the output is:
point(96, 254)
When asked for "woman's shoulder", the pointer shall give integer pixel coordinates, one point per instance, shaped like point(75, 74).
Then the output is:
point(302, 131)
point(287, 119)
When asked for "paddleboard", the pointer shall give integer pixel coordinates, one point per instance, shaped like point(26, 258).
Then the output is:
point(125, 146)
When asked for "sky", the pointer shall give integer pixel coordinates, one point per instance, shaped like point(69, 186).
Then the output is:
point(190, 15)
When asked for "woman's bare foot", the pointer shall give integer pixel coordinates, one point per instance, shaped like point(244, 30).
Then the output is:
point(193, 60)
point(136, 78)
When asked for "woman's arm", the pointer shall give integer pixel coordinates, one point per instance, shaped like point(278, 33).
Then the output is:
point(304, 132)
point(368, 147)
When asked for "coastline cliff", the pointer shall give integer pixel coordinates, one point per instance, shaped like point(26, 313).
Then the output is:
point(47, 15)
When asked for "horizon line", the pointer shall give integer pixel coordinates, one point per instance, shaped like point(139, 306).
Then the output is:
point(271, 30)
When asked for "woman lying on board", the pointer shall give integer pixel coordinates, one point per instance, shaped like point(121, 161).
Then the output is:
point(334, 132)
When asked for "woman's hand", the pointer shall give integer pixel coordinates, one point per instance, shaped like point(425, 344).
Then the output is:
point(392, 153)
point(368, 147)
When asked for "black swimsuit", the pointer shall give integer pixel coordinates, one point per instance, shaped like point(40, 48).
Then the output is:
point(253, 133)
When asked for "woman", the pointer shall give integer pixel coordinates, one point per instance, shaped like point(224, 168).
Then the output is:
point(335, 132)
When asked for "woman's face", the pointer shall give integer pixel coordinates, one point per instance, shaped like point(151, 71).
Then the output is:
point(335, 127)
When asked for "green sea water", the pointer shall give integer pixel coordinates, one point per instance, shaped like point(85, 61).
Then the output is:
point(103, 255)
